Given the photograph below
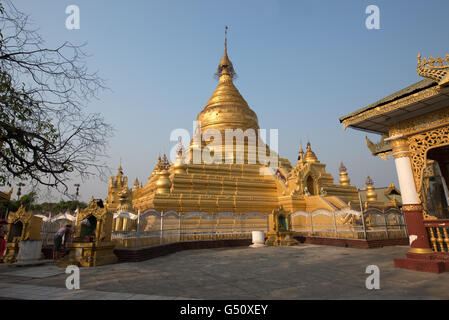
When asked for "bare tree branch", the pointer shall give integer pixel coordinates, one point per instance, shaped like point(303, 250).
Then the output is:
point(45, 134)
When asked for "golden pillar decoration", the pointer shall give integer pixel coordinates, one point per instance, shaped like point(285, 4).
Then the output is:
point(400, 148)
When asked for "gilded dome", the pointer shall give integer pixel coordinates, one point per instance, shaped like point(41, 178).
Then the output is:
point(310, 155)
point(226, 108)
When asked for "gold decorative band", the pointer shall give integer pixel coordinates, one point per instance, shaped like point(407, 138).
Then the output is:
point(420, 250)
point(412, 207)
point(402, 154)
point(399, 145)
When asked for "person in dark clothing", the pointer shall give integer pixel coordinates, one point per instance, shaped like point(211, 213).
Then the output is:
point(62, 236)
point(3, 230)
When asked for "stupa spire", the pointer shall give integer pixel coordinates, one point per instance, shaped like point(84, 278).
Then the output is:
point(226, 108)
point(225, 66)
point(120, 170)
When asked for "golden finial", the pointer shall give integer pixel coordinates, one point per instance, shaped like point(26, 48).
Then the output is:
point(165, 164)
point(369, 181)
point(180, 148)
point(226, 36)
point(158, 166)
point(225, 66)
point(310, 155)
point(301, 152)
point(120, 170)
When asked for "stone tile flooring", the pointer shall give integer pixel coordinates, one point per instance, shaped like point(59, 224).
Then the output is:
point(300, 272)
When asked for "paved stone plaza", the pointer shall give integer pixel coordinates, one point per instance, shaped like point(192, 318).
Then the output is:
point(300, 272)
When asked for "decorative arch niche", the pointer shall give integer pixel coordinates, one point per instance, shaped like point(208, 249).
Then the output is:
point(310, 183)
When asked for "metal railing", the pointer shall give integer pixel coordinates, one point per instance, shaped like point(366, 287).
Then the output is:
point(155, 228)
point(370, 224)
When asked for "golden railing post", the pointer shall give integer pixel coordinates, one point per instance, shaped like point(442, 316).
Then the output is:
point(440, 239)
point(446, 239)
point(433, 239)
point(311, 224)
point(363, 224)
point(335, 227)
point(162, 228)
point(179, 226)
point(386, 225)
point(213, 226)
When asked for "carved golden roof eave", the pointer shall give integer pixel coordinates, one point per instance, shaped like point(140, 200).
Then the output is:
point(392, 106)
point(434, 69)
point(382, 149)
point(421, 123)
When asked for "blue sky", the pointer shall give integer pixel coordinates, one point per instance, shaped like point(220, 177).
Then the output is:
point(301, 66)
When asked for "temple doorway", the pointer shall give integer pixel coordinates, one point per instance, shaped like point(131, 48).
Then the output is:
point(310, 185)
point(282, 223)
point(88, 227)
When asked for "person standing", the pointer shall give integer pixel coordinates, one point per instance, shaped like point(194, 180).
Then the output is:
point(62, 236)
point(3, 231)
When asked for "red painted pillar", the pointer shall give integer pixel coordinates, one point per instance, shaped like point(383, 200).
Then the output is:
point(419, 240)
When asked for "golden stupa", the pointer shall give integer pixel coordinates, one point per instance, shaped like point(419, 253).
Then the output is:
point(184, 186)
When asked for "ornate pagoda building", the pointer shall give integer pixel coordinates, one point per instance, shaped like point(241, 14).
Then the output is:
point(231, 186)
point(414, 127)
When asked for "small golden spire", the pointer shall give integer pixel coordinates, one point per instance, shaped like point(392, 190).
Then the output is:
point(225, 66)
point(371, 194)
point(165, 164)
point(120, 170)
point(301, 152)
point(344, 179)
point(310, 155)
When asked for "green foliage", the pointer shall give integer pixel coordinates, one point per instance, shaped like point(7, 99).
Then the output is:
point(28, 202)
point(57, 207)
point(13, 205)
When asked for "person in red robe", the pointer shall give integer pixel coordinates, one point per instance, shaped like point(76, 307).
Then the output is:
point(3, 230)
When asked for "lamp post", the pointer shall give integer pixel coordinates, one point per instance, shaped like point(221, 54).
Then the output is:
point(19, 191)
point(77, 185)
